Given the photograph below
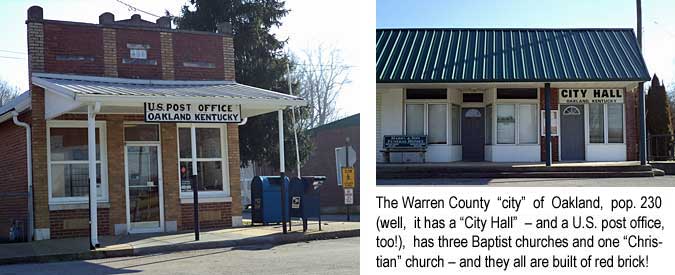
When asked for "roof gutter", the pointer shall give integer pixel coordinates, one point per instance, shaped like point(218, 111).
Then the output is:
point(138, 100)
point(29, 166)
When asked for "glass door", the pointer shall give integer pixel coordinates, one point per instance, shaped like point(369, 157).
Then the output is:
point(144, 188)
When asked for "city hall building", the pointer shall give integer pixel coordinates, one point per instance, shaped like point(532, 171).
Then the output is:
point(481, 94)
point(127, 110)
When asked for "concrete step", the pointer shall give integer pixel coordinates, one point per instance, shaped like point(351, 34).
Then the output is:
point(517, 174)
point(658, 172)
point(508, 169)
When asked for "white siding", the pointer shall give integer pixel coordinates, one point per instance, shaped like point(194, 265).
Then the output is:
point(389, 114)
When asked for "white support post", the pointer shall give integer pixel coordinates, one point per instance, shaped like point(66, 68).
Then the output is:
point(195, 185)
point(282, 160)
point(91, 148)
point(193, 146)
point(282, 170)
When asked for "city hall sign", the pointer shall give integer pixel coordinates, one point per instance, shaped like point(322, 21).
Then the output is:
point(191, 112)
point(585, 96)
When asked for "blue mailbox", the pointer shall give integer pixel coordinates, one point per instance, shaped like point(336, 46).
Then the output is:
point(266, 199)
point(305, 198)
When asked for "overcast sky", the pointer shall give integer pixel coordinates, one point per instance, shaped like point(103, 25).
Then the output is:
point(309, 24)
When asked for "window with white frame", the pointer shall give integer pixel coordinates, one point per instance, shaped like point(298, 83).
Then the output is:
point(212, 165)
point(430, 119)
point(605, 123)
point(68, 161)
point(517, 118)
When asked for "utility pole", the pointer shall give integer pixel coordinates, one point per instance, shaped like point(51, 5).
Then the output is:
point(641, 93)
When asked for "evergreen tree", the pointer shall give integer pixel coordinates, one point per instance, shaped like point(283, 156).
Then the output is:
point(658, 119)
point(260, 61)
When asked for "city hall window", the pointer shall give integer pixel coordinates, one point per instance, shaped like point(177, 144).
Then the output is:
point(517, 118)
point(605, 123)
point(212, 177)
point(517, 93)
point(430, 119)
point(68, 162)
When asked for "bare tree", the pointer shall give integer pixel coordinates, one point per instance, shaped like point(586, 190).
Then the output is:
point(321, 75)
point(7, 92)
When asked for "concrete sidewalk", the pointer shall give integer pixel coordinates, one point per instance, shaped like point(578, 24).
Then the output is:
point(142, 244)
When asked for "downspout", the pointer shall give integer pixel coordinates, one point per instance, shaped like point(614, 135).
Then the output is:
point(29, 164)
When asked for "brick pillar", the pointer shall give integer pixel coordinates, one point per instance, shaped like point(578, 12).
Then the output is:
point(632, 132)
point(168, 69)
point(116, 185)
point(110, 52)
point(39, 147)
point(233, 163)
point(554, 139)
point(36, 45)
point(170, 176)
point(228, 55)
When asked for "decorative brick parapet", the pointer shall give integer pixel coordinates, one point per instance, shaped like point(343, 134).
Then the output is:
point(166, 44)
point(36, 47)
point(110, 52)
point(228, 56)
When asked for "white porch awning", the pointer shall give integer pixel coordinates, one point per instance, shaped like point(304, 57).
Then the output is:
point(72, 94)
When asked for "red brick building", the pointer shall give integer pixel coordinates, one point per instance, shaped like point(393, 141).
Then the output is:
point(329, 142)
point(137, 92)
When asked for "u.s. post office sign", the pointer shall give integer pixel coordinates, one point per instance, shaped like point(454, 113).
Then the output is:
point(191, 112)
point(583, 96)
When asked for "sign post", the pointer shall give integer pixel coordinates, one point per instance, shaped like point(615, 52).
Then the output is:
point(348, 181)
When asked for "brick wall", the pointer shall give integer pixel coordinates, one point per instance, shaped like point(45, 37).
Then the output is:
point(39, 148)
point(75, 223)
point(116, 176)
point(13, 172)
point(196, 48)
point(233, 164)
point(211, 215)
point(554, 139)
point(170, 172)
point(321, 162)
point(73, 49)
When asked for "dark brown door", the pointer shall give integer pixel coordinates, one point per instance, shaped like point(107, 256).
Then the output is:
point(473, 134)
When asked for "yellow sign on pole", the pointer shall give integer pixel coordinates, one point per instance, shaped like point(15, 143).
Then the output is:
point(348, 178)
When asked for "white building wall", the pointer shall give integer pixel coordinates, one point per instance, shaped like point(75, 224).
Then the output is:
point(514, 153)
point(390, 114)
point(605, 152)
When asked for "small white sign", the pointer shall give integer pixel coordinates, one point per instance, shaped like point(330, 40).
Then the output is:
point(349, 196)
point(554, 122)
point(295, 202)
point(585, 96)
point(192, 112)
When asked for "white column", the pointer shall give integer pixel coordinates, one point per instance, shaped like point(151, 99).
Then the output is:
point(282, 161)
point(91, 147)
point(193, 145)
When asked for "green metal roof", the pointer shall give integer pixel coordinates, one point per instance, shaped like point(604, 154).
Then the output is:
point(349, 121)
point(508, 55)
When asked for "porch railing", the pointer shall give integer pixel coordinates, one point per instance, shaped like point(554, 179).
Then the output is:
point(661, 147)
